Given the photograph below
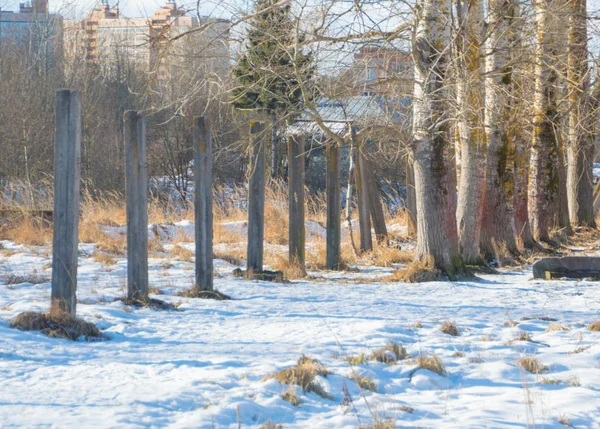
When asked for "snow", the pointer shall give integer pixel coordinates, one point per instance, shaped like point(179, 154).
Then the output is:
point(202, 365)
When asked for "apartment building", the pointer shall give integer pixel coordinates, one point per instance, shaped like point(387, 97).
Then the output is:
point(106, 38)
point(32, 29)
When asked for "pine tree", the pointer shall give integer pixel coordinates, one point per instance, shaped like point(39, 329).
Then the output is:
point(273, 69)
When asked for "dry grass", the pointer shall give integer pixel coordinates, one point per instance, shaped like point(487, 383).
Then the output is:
point(563, 420)
point(532, 365)
point(360, 359)
point(432, 363)
point(594, 326)
point(556, 327)
point(390, 354)
point(511, 323)
point(182, 253)
point(57, 324)
point(196, 292)
point(303, 374)
point(269, 425)
point(12, 279)
point(380, 424)
point(548, 380)
point(104, 258)
point(28, 230)
point(291, 269)
point(416, 272)
point(291, 396)
point(364, 382)
point(574, 381)
point(450, 328)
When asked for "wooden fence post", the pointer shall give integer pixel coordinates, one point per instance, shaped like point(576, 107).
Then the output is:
point(203, 204)
point(136, 190)
point(67, 161)
point(256, 199)
point(333, 206)
point(296, 199)
point(362, 189)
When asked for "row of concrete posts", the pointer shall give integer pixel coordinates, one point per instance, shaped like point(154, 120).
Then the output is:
point(68, 136)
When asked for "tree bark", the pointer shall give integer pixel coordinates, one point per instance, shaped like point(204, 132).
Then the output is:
point(375, 205)
point(362, 190)
point(411, 203)
point(580, 149)
point(498, 227)
point(470, 130)
point(543, 184)
point(431, 145)
point(274, 158)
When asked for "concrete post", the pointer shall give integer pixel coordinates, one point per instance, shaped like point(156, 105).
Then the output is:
point(136, 190)
point(67, 161)
point(256, 198)
point(203, 204)
point(362, 189)
point(296, 199)
point(333, 206)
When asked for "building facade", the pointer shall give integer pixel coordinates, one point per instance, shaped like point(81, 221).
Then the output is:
point(32, 30)
point(384, 70)
point(106, 38)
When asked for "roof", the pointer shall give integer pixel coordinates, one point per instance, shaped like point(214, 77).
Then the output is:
point(337, 114)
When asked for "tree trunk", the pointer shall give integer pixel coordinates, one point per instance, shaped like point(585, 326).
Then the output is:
point(581, 143)
point(411, 203)
point(470, 130)
point(497, 227)
point(543, 164)
point(274, 158)
point(437, 243)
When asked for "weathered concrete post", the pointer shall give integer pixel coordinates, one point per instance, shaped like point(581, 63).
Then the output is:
point(333, 254)
point(67, 161)
point(411, 197)
point(203, 204)
point(256, 198)
point(375, 206)
point(296, 199)
point(136, 190)
point(362, 189)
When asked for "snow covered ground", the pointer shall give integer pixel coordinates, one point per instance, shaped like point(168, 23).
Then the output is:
point(202, 366)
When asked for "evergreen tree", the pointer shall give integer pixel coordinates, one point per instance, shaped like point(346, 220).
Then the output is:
point(271, 69)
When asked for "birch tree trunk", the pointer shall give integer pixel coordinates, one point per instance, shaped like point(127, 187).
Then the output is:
point(471, 133)
point(498, 227)
point(543, 164)
point(580, 147)
point(431, 145)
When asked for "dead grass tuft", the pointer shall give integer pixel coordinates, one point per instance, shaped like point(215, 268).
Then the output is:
point(291, 269)
point(563, 420)
point(364, 382)
point(147, 302)
point(548, 380)
point(291, 396)
point(388, 423)
point(416, 272)
point(182, 253)
point(594, 326)
point(360, 359)
point(532, 365)
point(432, 363)
point(556, 327)
point(12, 279)
point(196, 292)
point(269, 425)
point(104, 258)
point(29, 230)
point(390, 354)
point(57, 324)
point(450, 328)
point(303, 374)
